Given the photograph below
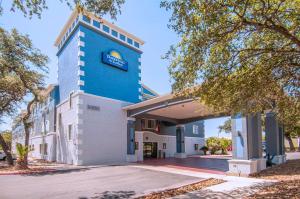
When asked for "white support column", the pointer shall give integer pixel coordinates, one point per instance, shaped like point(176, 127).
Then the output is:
point(246, 145)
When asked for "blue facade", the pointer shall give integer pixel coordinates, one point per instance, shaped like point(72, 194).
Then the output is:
point(68, 67)
point(148, 92)
point(104, 80)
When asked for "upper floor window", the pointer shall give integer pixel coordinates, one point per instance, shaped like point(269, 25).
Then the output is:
point(136, 44)
point(86, 19)
point(148, 124)
point(195, 129)
point(129, 40)
point(114, 33)
point(105, 28)
point(122, 37)
point(96, 24)
point(70, 131)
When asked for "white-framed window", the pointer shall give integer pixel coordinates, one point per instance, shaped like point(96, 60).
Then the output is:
point(70, 132)
point(47, 126)
point(148, 124)
point(70, 100)
point(164, 145)
point(43, 149)
point(195, 129)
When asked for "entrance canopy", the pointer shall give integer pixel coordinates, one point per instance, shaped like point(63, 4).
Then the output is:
point(172, 108)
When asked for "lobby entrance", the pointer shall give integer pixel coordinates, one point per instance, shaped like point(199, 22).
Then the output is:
point(150, 150)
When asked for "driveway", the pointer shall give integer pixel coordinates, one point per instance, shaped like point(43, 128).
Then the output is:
point(207, 164)
point(100, 182)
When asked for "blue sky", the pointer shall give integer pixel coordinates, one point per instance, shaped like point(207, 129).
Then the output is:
point(142, 18)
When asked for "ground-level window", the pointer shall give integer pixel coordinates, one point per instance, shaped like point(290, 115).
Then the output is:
point(195, 129)
point(44, 149)
point(164, 145)
point(196, 147)
point(70, 129)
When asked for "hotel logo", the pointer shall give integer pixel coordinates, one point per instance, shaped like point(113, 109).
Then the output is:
point(114, 58)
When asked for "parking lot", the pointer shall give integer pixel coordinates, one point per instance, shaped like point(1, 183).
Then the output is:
point(99, 182)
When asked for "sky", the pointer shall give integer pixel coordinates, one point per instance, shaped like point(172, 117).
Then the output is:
point(143, 18)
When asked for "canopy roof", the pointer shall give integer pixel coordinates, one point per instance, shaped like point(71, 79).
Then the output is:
point(172, 108)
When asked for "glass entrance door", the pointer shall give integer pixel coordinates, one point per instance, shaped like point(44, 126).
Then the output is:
point(150, 149)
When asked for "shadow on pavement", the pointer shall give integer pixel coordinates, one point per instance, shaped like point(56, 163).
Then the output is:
point(55, 172)
point(112, 195)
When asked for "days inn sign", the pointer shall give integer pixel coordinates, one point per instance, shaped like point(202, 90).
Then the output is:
point(114, 58)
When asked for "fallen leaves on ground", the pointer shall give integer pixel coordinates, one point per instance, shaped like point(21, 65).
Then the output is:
point(288, 186)
point(182, 190)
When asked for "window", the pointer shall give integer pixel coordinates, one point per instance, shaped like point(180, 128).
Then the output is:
point(136, 44)
point(164, 145)
point(196, 147)
point(86, 19)
point(96, 24)
point(70, 100)
point(43, 149)
point(136, 146)
point(195, 129)
point(129, 40)
point(70, 129)
point(122, 37)
point(105, 28)
point(114, 33)
point(148, 124)
point(47, 126)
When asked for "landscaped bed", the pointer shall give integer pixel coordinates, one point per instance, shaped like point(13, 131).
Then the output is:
point(182, 190)
point(36, 166)
point(287, 174)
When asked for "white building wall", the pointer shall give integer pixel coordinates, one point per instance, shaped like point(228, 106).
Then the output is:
point(103, 132)
point(68, 114)
point(50, 140)
point(190, 145)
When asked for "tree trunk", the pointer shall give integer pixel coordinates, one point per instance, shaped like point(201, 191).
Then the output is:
point(290, 141)
point(7, 152)
point(299, 143)
point(27, 134)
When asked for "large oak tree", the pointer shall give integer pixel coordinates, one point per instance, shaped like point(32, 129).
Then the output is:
point(238, 55)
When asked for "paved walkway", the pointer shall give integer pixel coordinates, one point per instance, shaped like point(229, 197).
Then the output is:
point(234, 187)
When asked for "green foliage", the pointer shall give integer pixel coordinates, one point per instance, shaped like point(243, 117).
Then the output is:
point(245, 54)
point(100, 7)
point(226, 127)
point(22, 151)
point(216, 144)
point(213, 143)
point(7, 136)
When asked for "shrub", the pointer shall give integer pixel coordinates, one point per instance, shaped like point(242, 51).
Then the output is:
point(213, 143)
point(216, 144)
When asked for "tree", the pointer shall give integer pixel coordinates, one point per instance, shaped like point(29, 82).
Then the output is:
point(226, 127)
point(5, 145)
point(99, 7)
point(237, 55)
point(26, 66)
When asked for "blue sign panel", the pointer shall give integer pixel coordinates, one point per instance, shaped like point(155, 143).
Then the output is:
point(114, 58)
